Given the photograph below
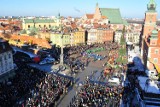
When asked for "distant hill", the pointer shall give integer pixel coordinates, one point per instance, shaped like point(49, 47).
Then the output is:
point(139, 21)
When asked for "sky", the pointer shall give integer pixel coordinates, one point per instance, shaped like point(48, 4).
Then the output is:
point(74, 8)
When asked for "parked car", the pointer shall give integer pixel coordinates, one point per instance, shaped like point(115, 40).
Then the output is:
point(47, 60)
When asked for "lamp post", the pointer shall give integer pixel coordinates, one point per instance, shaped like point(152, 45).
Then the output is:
point(62, 33)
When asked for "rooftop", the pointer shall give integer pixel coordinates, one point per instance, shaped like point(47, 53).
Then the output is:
point(89, 16)
point(38, 20)
point(113, 14)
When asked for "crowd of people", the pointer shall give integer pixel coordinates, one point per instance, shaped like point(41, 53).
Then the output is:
point(32, 87)
point(49, 91)
point(97, 95)
point(74, 59)
point(15, 88)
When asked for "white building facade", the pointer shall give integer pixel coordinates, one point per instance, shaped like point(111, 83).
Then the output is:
point(133, 37)
point(92, 36)
point(6, 57)
point(117, 36)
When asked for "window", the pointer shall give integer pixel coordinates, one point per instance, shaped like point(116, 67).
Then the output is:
point(156, 51)
point(155, 60)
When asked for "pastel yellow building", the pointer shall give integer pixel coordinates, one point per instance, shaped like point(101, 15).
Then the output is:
point(40, 23)
point(55, 38)
point(78, 37)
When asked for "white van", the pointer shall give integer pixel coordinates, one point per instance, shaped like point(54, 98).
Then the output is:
point(114, 80)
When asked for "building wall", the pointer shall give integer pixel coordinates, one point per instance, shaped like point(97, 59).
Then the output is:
point(56, 39)
point(100, 35)
point(79, 37)
point(6, 62)
point(92, 36)
point(154, 55)
point(149, 25)
point(158, 41)
point(133, 37)
point(117, 36)
point(145, 54)
point(39, 25)
point(66, 39)
point(108, 35)
point(147, 30)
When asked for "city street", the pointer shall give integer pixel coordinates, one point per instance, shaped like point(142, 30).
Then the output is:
point(81, 77)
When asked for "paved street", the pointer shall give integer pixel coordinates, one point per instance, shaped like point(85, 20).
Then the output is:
point(80, 78)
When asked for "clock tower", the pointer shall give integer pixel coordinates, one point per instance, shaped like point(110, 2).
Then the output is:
point(150, 19)
point(149, 22)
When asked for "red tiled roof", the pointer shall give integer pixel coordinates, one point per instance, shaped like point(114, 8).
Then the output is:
point(73, 25)
point(96, 25)
point(28, 39)
point(103, 17)
point(89, 16)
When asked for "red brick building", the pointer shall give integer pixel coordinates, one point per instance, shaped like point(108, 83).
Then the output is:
point(149, 22)
point(151, 39)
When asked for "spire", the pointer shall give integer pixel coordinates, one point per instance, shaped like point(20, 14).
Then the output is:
point(151, 5)
point(59, 15)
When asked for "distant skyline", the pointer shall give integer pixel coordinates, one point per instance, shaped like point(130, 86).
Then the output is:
point(74, 8)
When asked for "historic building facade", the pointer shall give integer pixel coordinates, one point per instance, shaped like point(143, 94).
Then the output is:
point(78, 37)
point(133, 37)
point(112, 14)
point(117, 36)
point(40, 23)
point(100, 35)
point(150, 21)
point(151, 38)
point(6, 57)
point(104, 35)
point(56, 39)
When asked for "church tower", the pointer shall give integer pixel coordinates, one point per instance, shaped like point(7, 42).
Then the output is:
point(97, 14)
point(150, 19)
point(149, 22)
